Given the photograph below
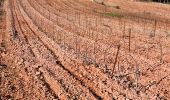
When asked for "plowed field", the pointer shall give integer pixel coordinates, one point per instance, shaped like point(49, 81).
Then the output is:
point(84, 50)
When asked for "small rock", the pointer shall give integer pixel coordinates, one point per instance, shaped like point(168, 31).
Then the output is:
point(8, 97)
point(111, 4)
point(1, 98)
point(37, 73)
point(3, 54)
point(41, 77)
point(2, 66)
point(21, 61)
point(12, 88)
point(99, 1)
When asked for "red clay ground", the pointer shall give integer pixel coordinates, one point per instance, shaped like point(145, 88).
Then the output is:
point(82, 50)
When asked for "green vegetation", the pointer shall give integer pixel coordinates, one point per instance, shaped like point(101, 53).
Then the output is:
point(113, 14)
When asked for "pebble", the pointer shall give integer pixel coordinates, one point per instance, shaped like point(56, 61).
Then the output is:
point(37, 73)
point(21, 61)
point(3, 66)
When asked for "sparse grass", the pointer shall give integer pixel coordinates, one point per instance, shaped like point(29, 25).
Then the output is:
point(113, 14)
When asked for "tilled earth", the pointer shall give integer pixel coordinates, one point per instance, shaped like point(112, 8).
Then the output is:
point(81, 50)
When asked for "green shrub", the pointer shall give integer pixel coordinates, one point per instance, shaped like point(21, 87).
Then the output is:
point(113, 14)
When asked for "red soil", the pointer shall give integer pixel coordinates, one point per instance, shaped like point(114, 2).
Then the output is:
point(71, 49)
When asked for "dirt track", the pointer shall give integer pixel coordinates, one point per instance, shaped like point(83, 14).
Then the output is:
point(69, 49)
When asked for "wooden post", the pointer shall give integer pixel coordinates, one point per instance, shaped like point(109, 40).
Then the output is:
point(137, 75)
point(49, 14)
point(67, 15)
point(76, 48)
point(86, 53)
point(155, 25)
point(144, 25)
point(86, 20)
point(161, 51)
point(124, 29)
point(53, 29)
point(129, 39)
point(116, 58)
point(79, 18)
point(147, 56)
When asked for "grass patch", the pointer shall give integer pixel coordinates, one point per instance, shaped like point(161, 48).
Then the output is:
point(113, 14)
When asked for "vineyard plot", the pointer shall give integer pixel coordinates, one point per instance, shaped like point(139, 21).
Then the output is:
point(83, 50)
